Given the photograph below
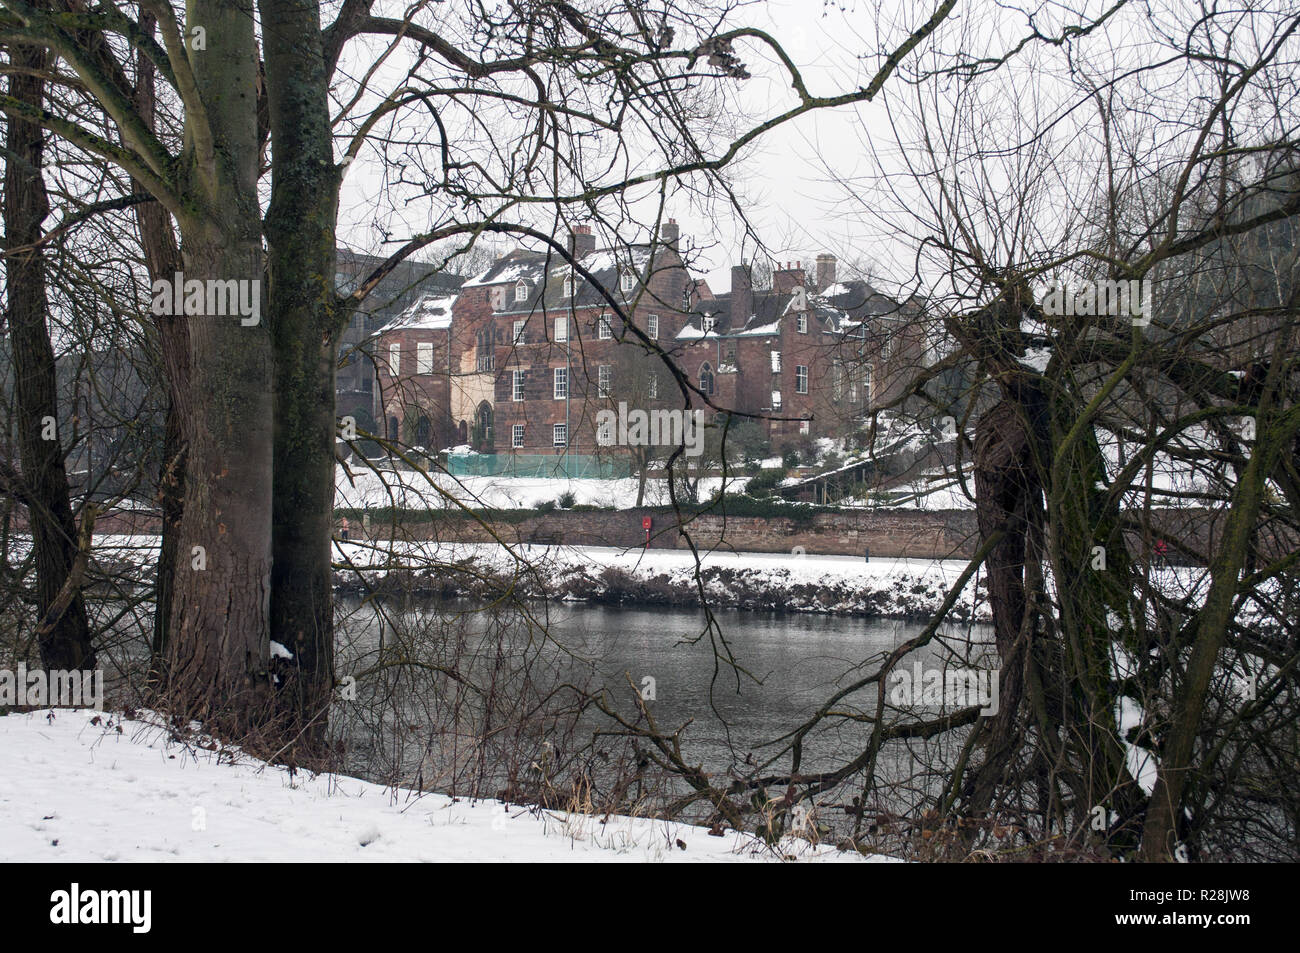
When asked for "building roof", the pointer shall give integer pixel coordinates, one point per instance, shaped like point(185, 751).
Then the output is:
point(430, 312)
point(841, 308)
point(544, 275)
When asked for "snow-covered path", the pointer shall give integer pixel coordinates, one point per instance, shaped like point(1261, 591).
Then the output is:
point(75, 790)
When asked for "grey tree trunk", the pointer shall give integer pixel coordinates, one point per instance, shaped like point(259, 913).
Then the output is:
point(305, 324)
point(218, 648)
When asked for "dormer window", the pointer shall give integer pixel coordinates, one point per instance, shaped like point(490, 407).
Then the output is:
point(568, 285)
point(521, 290)
point(707, 323)
point(628, 280)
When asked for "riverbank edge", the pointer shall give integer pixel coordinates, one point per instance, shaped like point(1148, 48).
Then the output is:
point(896, 594)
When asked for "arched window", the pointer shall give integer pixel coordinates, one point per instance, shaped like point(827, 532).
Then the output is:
point(706, 379)
point(483, 427)
point(392, 428)
point(423, 432)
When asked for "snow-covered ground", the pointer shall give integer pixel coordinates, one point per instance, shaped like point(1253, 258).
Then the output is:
point(81, 786)
point(358, 487)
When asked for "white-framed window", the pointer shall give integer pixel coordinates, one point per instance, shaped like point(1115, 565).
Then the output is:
point(561, 329)
point(804, 427)
point(706, 379)
point(652, 388)
point(837, 381)
point(605, 434)
point(801, 322)
point(604, 329)
point(561, 383)
point(866, 383)
point(603, 375)
point(801, 378)
point(707, 323)
point(517, 436)
point(517, 385)
point(652, 326)
point(776, 362)
point(560, 435)
point(776, 400)
point(568, 285)
point(521, 290)
point(627, 281)
point(395, 358)
point(518, 336)
point(424, 357)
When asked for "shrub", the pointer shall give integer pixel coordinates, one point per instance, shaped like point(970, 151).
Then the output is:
point(765, 481)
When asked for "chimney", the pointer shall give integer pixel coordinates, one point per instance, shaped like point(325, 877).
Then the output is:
point(789, 277)
point(825, 271)
point(742, 295)
point(581, 242)
point(668, 233)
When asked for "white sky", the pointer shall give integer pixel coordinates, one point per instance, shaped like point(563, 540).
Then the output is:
point(791, 182)
point(787, 195)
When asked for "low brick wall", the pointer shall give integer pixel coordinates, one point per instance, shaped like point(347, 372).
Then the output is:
point(940, 534)
point(890, 533)
point(893, 533)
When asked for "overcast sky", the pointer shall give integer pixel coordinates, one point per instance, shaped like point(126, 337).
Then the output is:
point(792, 183)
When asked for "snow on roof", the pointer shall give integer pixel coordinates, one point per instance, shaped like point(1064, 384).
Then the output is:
point(760, 330)
point(690, 332)
point(429, 313)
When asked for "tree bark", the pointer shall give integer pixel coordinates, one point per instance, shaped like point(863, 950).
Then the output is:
point(163, 260)
point(305, 324)
point(218, 650)
point(65, 637)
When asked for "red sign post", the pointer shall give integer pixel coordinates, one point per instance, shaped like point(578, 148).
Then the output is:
point(645, 525)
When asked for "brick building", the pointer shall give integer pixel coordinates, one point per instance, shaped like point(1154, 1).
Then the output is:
point(405, 285)
point(523, 356)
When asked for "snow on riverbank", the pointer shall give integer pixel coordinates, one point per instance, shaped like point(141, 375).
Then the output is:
point(72, 789)
point(884, 587)
point(899, 588)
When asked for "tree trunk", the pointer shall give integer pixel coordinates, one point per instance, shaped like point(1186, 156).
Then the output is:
point(218, 648)
point(65, 642)
point(163, 260)
point(305, 322)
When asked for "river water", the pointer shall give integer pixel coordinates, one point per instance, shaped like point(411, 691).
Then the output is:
point(794, 662)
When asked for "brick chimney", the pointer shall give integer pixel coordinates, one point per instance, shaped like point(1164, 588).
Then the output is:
point(742, 294)
point(581, 242)
point(788, 277)
point(825, 271)
point(668, 233)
